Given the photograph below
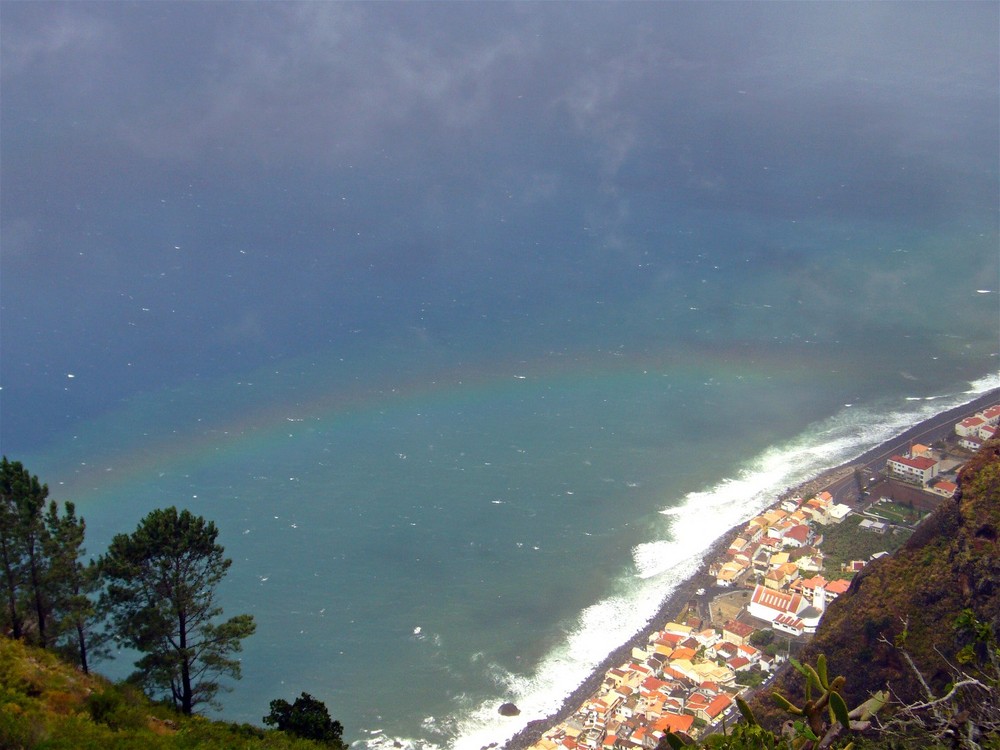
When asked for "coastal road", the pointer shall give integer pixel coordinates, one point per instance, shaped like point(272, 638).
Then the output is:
point(936, 428)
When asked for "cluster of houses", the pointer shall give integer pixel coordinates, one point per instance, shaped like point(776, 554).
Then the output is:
point(977, 429)
point(779, 553)
point(686, 676)
point(779, 546)
point(921, 466)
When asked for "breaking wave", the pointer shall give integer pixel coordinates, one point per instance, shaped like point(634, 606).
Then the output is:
point(691, 527)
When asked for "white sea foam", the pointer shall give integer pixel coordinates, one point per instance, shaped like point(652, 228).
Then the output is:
point(601, 626)
point(984, 384)
point(690, 530)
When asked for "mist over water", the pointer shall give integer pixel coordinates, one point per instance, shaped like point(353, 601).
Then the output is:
point(472, 326)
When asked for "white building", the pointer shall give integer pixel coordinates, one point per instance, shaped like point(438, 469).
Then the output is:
point(767, 603)
point(920, 469)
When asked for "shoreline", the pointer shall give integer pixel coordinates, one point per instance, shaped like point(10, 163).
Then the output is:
point(941, 423)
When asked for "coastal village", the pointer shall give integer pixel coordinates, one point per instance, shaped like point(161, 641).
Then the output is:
point(762, 598)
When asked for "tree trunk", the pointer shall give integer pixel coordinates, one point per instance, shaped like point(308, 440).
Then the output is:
point(82, 638)
point(36, 585)
point(15, 621)
point(186, 696)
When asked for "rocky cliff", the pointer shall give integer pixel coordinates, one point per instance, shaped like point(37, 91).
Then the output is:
point(912, 599)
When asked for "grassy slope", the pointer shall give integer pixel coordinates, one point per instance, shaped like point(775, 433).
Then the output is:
point(48, 704)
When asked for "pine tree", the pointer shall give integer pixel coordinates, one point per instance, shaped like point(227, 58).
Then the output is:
point(11, 563)
point(160, 594)
point(22, 557)
point(45, 587)
point(70, 584)
point(31, 501)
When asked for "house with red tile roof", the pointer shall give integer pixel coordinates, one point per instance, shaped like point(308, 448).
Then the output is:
point(739, 663)
point(944, 488)
point(766, 604)
point(669, 639)
point(836, 588)
point(808, 586)
point(651, 685)
point(670, 671)
point(683, 653)
point(797, 536)
point(638, 738)
point(730, 571)
point(638, 672)
point(777, 531)
point(789, 624)
point(737, 545)
point(671, 722)
point(696, 704)
point(969, 426)
point(726, 650)
point(774, 579)
point(971, 442)
point(790, 571)
point(710, 688)
point(753, 532)
point(736, 632)
point(920, 469)
point(991, 415)
point(719, 704)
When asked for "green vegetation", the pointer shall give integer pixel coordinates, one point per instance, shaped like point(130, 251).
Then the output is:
point(762, 638)
point(44, 586)
point(307, 718)
point(47, 704)
point(153, 591)
point(897, 512)
point(160, 597)
point(844, 542)
point(817, 723)
point(917, 622)
point(753, 677)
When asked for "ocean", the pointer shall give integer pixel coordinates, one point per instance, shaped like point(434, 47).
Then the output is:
point(417, 555)
point(471, 326)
